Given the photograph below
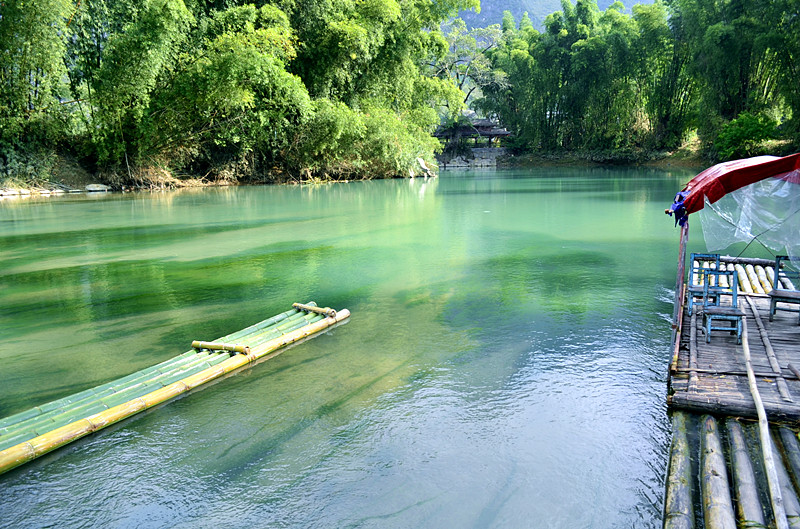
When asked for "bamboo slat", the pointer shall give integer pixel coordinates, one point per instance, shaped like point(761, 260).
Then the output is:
point(716, 495)
point(678, 506)
point(783, 388)
point(791, 449)
point(748, 504)
point(791, 504)
point(778, 509)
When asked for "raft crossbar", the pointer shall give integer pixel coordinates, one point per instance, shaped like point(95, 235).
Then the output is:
point(29, 434)
point(220, 346)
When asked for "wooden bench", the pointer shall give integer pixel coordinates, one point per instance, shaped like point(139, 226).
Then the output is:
point(784, 290)
point(713, 310)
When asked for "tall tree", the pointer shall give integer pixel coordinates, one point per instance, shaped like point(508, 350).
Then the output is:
point(662, 55)
point(31, 71)
point(133, 62)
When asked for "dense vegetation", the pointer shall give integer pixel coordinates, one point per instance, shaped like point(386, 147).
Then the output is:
point(223, 88)
point(613, 84)
point(334, 88)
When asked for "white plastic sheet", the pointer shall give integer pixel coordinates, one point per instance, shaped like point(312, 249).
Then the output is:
point(767, 212)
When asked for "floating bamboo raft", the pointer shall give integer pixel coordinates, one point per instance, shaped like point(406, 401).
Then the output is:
point(735, 454)
point(32, 433)
point(717, 477)
point(712, 377)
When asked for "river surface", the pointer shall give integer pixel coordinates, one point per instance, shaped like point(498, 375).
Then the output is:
point(504, 366)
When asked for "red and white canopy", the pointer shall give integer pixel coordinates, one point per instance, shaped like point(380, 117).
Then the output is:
point(751, 199)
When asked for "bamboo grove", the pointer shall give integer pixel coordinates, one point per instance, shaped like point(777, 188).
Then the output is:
point(343, 88)
point(616, 82)
point(223, 87)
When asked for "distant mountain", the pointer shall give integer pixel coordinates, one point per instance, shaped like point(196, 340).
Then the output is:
point(492, 11)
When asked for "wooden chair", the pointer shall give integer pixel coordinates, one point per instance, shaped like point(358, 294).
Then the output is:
point(695, 284)
point(714, 311)
point(784, 290)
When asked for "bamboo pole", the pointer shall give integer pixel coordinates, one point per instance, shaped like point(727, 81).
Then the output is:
point(753, 277)
point(259, 326)
point(678, 505)
point(783, 388)
point(763, 278)
point(717, 506)
point(89, 393)
point(220, 346)
point(790, 501)
point(108, 397)
point(748, 505)
point(744, 281)
point(778, 510)
point(680, 283)
point(325, 311)
point(42, 444)
point(791, 448)
point(770, 270)
point(693, 353)
point(755, 261)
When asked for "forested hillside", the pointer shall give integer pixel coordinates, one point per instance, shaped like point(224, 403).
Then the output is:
point(616, 86)
point(231, 90)
point(224, 88)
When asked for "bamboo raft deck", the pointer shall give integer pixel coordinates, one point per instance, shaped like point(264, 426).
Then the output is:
point(712, 377)
point(729, 467)
point(29, 434)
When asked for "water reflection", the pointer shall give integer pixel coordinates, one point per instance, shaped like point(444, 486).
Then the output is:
point(505, 361)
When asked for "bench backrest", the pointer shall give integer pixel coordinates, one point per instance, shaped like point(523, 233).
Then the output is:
point(712, 278)
point(787, 273)
point(696, 267)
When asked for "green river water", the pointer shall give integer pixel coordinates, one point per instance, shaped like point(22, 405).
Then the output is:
point(504, 366)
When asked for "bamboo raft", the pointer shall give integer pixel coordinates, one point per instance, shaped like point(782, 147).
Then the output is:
point(712, 377)
point(37, 431)
point(735, 454)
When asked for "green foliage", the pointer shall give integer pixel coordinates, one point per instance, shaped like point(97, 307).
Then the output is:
point(343, 87)
point(133, 63)
point(610, 81)
point(572, 87)
point(338, 141)
point(668, 91)
point(232, 94)
point(742, 137)
point(31, 73)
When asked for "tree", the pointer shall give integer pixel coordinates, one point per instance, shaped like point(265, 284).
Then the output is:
point(31, 73)
point(466, 61)
point(734, 70)
point(132, 65)
point(662, 55)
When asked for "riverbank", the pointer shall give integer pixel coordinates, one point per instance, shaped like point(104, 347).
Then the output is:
point(65, 175)
point(687, 156)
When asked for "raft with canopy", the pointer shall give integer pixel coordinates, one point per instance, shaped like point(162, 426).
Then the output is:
point(755, 200)
point(31, 433)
